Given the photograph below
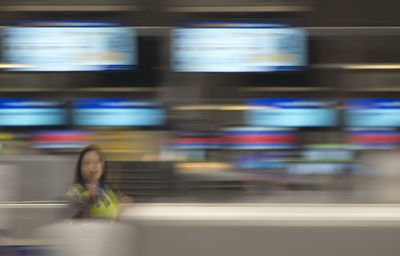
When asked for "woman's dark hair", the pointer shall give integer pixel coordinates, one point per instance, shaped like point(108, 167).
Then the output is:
point(78, 172)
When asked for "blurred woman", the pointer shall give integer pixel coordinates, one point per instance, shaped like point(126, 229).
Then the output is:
point(89, 195)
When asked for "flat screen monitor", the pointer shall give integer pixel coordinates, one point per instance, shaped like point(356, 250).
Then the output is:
point(56, 45)
point(376, 112)
point(61, 139)
point(358, 138)
point(290, 112)
point(197, 141)
point(117, 112)
point(227, 46)
point(28, 112)
point(258, 138)
point(327, 152)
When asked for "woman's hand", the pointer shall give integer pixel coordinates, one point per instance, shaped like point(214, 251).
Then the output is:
point(92, 190)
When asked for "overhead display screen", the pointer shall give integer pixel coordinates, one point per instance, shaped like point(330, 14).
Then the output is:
point(238, 47)
point(290, 112)
point(27, 112)
point(117, 112)
point(69, 46)
point(376, 112)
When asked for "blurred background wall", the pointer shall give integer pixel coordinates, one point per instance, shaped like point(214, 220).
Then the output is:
point(189, 116)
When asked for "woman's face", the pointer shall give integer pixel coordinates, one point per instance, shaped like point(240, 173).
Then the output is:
point(92, 166)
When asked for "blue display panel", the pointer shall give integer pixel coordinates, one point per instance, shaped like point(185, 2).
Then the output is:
point(372, 112)
point(117, 112)
point(289, 112)
point(238, 47)
point(24, 112)
point(327, 152)
point(271, 160)
point(27, 250)
point(69, 46)
point(318, 168)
